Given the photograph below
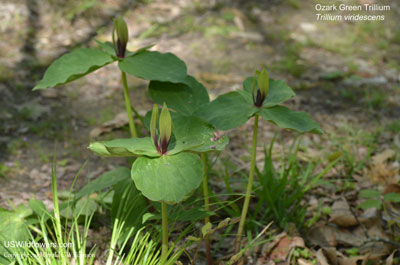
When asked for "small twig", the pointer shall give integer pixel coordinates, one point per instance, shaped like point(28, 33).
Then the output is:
point(386, 241)
point(358, 220)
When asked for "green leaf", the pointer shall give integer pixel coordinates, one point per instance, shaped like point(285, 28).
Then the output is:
point(288, 119)
point(392, 197)
point(278, 92)
point(105, 181)
point(107, 47)
point(167, 178)
point(370, 194)
point(206, 229)
point(148, 217)
point(228, 111)
point(193, 238)
point(39, 209)
point(13, 227)
point(72, 66)
point(85, 207)
point(184, 98)
point(190, 127)
point(370, 204)
point(150, 65)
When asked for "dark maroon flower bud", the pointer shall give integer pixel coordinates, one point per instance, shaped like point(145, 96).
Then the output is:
point(120, 37)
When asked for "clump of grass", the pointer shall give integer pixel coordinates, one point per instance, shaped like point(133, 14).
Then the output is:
point(281, 190)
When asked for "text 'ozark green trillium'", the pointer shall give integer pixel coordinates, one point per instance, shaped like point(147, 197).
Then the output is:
point(167, 168)
point(262, 95)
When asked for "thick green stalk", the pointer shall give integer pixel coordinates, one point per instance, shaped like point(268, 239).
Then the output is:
point(128, 106)
point(249, 186)
point(206, 206)
point(164, 213)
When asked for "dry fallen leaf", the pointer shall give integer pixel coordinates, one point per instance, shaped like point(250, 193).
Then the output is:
point(322, 235)
point(330, 254)
point(341, 214)
point(350, 260)
point(262, 261)
point(268, 247)
point(380, 171)
point(335, 257)
point(121, 119)
point(321, 257)
point(331, 236)
point(390, 259)
point(370, 217)
point(285, 245)
point(392, 188)
point(303, 262)
point(373, 249)
point(383, 156)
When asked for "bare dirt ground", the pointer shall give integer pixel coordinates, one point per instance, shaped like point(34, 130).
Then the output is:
point(345, 74)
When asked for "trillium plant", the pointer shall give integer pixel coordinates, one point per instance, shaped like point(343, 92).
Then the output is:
point(260, 96)
point(168, 167)
point(171, 163)
point(142, 63)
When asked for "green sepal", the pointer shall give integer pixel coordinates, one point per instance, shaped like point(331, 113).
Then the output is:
point(153, 123)
point(165, 125)
point(121, 30)
point(263, 82)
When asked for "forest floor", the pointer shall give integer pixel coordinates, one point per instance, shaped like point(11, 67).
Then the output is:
point(346, 75)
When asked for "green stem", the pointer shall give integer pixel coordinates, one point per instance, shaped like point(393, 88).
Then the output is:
point(206, 206)
point(205, 186)
point(128, 106)
point(249, 187)
point(164, 252)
